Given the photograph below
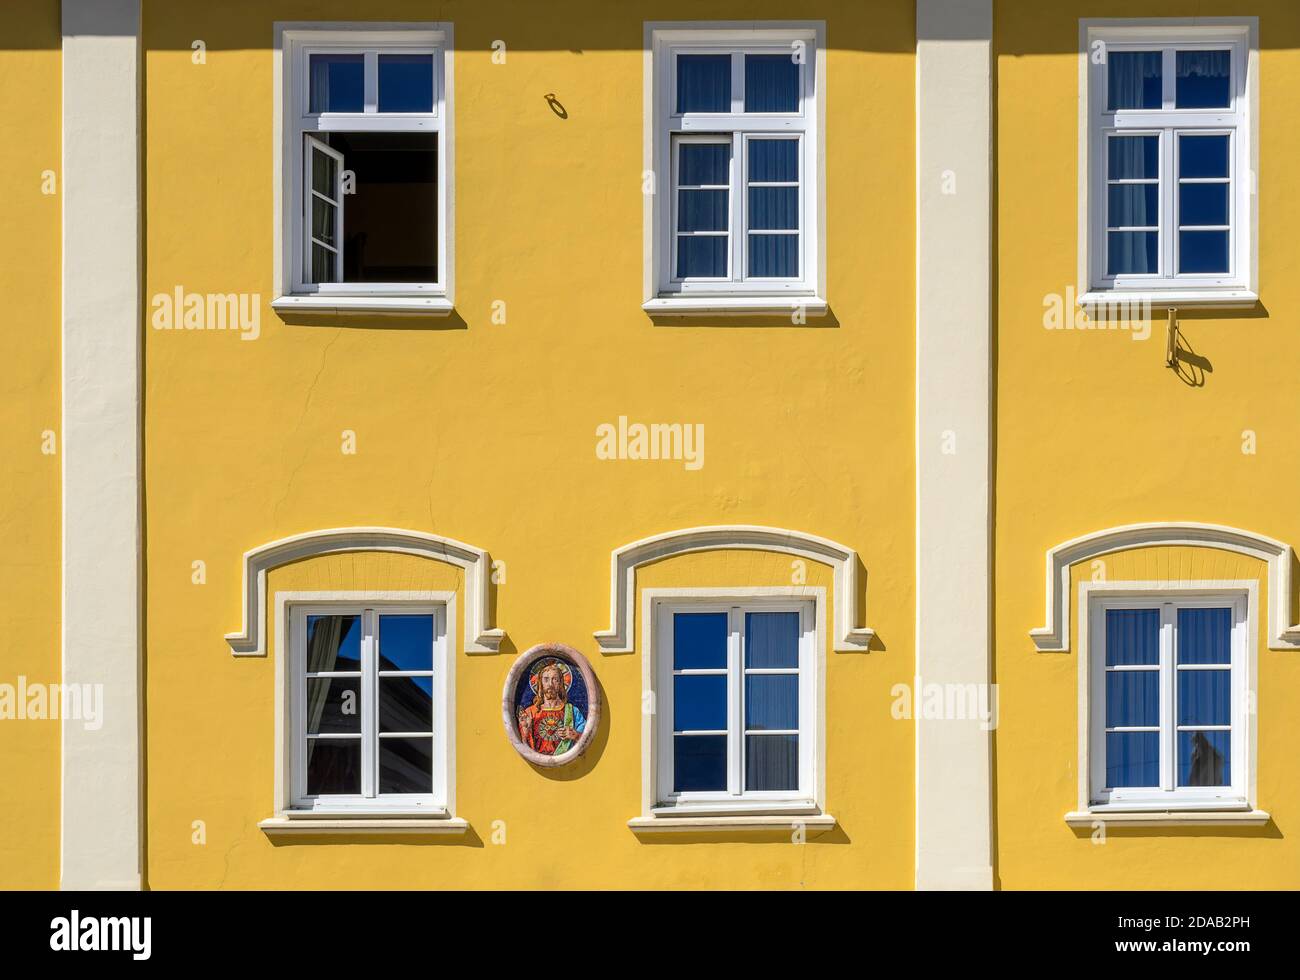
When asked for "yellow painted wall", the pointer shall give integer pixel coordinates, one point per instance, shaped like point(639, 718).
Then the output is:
point(30, 95)
point(486, 433)
point(1093, 431)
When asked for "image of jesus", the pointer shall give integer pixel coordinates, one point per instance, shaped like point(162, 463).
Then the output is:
point(550, 725)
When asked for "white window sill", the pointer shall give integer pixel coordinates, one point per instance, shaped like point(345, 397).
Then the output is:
point(1163, 299)
point(705, 304)
point(1167, 818)
point(428, 305)
point(336, 823)
point(661, 823)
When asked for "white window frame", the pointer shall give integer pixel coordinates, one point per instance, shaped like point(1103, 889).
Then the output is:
point(1239, 287)
point(293, 616)
point(1095, 797)
point(664, 292)
point(294, 124)
point(660, 799)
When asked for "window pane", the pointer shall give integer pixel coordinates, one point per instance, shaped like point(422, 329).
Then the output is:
point(322, 221)
point(1132, 636)
point(702, 256)
point(1133, 157)
point(772, 639)
point(1132, 253)
point(703, 163)
point(1132, 759)
point(704, 83)
point(333, 766)
point(774, 256)
point(390, 219)
point(337, 83)
point(773, 160)
point(1134, 205)
point(406, 642)
point(406, 704)
point(1205, 697)
point(1132, 698)
point(771, 762)
point(772, 701)
point(333, 706)
point(774, 207)
point(1203, 251)
point(702, 210)
point(699, 640)
point(406, 765)
point(699, 763)
point(324, 174)
point(1202, 156)
point(1202, 204)
point(699, 702)
point(333, 643)
point(1204, 758)
point(1133, 79)
point(1201, 79)
point(771, 83)
point(406, 83)
point(1205, 636)
point(322, 264)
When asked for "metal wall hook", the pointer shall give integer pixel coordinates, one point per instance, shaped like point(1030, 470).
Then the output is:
point(1171, 348)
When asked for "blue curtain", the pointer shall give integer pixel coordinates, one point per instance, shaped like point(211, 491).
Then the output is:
point(1202, 79)
point(704, 83)
point(1134, 79)
point(771, 83)
point(337, 83)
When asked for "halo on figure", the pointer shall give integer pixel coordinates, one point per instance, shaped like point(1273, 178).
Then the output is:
point(535, 675)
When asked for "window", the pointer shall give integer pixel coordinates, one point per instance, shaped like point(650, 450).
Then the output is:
point(366, 170)
point(1169, 148)
point(1168, 702)
point(369, 707)
point(735, 704)
point(736, 157)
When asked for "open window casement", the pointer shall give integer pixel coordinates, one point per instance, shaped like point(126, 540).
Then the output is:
point(323, 179)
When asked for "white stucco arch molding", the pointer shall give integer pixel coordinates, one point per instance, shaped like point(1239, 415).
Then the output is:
point(1283, 634)
point(480, 637)
point(625, 560)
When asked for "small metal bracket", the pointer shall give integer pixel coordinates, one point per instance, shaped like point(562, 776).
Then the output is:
point(1171, 347)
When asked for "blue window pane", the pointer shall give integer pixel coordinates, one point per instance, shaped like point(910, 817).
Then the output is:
point(702, 257)
point(774, 207)
point(1133, 157)
point(333, 643)
point(406, 642)
point(699, 641)
point(406, 765)
point(333, 766)
point(702, 210)
point(1203, 251)
point(1132, 253)
point(772, 639)
point(334, 705)
point(1205, 636)
point(703, 163)
point(1132, 698)
point(337, 83)
point(1204, 758)
point(1205, 697)
point(704, 83)
point(1202, 156)
point(1202, 204)
point(771, 762)
point(771, 83)
point(406, 83)
point(1134, 80)
point(1202, 79)
point(699, 763)
point(699, 702)
point(1132, 636)
point(406, 704)
point(774, 256)
point(773, 160)
point(1132, 759)
point(1134, 205)
point(772, 701)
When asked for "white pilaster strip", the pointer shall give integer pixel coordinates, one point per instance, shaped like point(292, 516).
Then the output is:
point(101, 801)
point(953, 368)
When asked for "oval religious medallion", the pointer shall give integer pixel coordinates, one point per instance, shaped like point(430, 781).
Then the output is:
point(551, 704)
